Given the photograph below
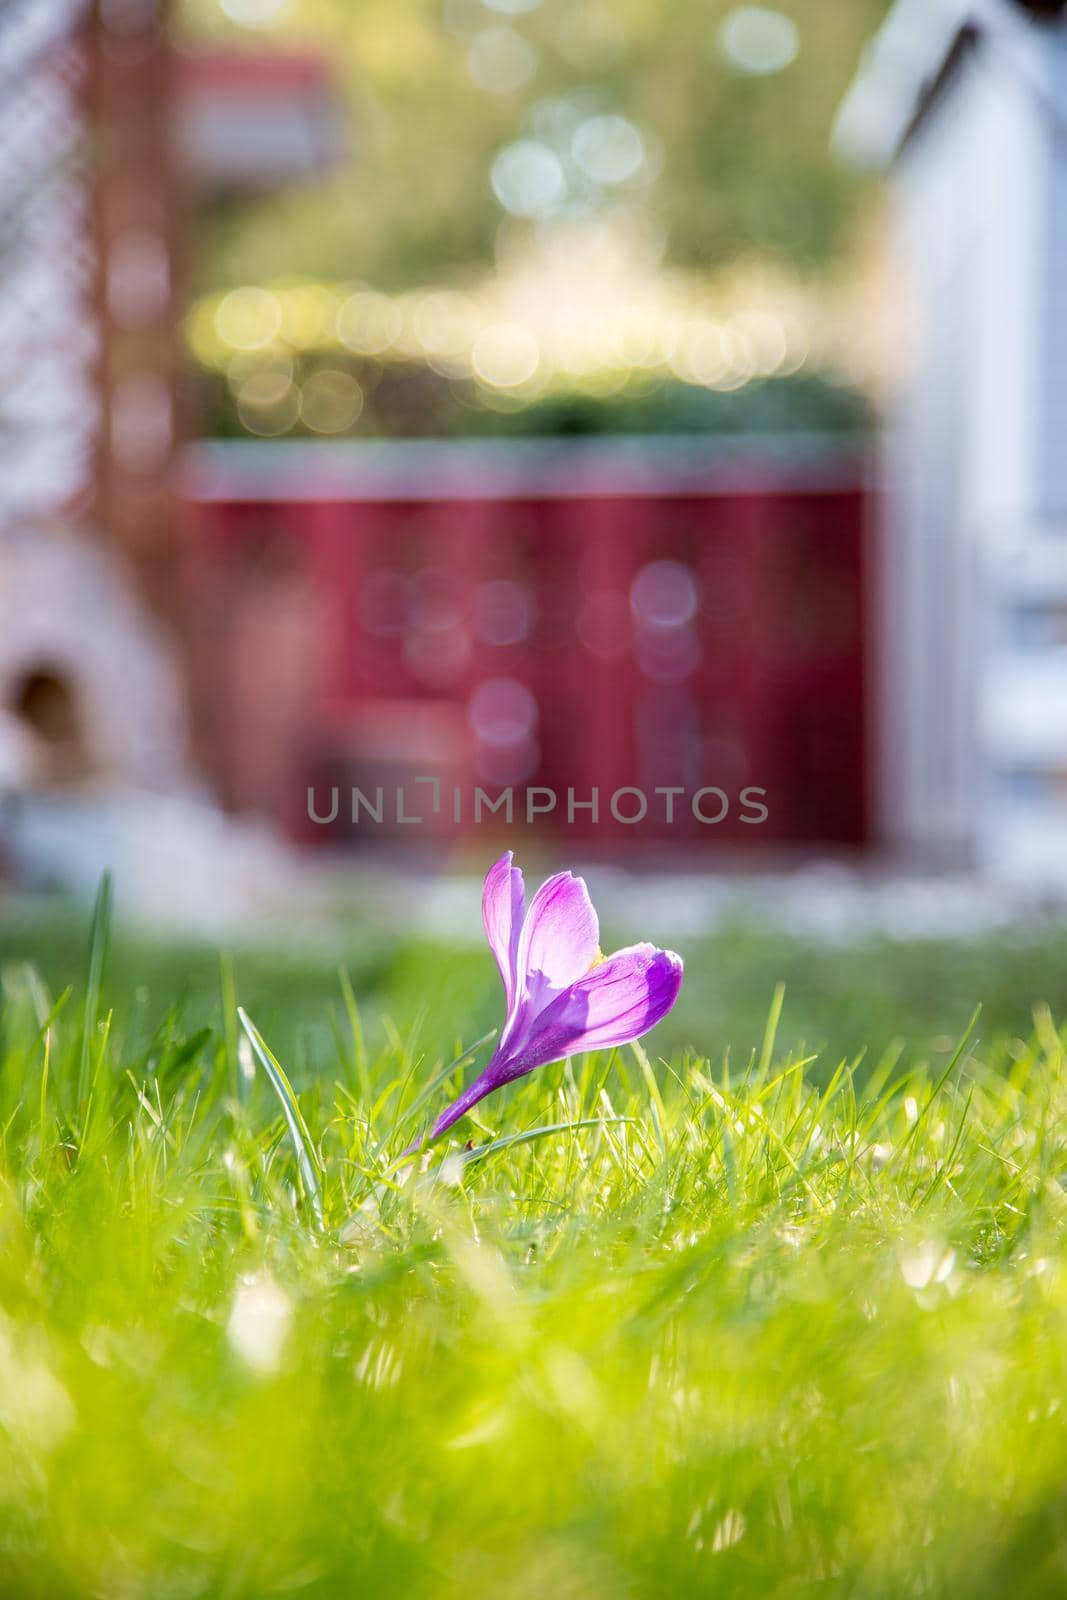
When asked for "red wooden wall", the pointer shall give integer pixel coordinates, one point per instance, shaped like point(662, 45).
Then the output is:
point(655, 635)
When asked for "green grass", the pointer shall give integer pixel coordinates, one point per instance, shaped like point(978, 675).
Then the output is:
point(740, 1324)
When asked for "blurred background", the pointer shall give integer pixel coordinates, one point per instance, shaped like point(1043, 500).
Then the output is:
point(533, 397)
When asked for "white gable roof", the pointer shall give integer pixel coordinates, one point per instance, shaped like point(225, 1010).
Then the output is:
point(904, 63)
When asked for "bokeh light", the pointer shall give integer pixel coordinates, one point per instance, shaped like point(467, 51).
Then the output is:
point(664, 595)
point(609, 149)
point(505, 356)
point(503, 612)
point(368, 323)
point(437, 646)
point(268, 403)
point(528, 179)
point(764, 341)
point(309, 313)
point(330, 401)
point(500, 60)
point(759, 41)
point(254, 13)
point(503, 717)
point(702, 353)
point(512, 8)
point(502, 711)
point(262, 386)
point(445, 325)
point(249, 318)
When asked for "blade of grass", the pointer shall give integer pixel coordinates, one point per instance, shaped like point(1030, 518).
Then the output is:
point(924, 1110)
point(355, 1028)
point(228, 987)
point(99, 937)
point(298, 1129)
point(655, 1100)
point(466, 1157)
point(770, 1033)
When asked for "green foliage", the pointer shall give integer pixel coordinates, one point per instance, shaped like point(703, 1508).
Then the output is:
point(747, 1326)
point(746, 165)
point(773, 407)
point(404, 402)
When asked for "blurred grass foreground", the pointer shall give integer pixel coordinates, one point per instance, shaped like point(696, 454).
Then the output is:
point(764, 1323)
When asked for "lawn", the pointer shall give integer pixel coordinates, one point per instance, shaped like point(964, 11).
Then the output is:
point(755, 1313)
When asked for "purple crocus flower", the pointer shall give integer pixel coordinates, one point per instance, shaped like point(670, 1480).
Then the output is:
point(563, 996)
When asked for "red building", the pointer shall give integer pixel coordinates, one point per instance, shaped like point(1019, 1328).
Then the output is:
point(566, 620)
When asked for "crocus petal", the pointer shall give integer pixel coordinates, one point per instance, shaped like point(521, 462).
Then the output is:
point(503, 908)
point(614, 1004)
point(560, 937)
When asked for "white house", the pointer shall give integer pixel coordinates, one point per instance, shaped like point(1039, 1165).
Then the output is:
point(965, 102)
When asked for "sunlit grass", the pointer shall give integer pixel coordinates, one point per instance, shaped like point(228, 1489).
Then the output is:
point(743, 1326)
